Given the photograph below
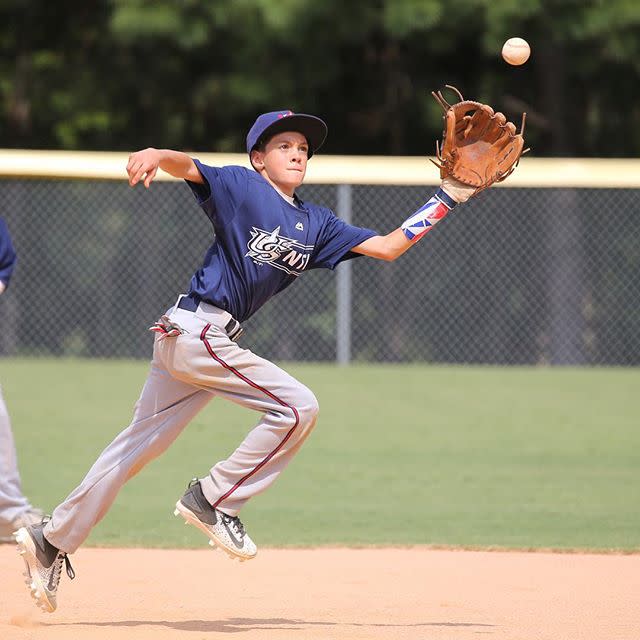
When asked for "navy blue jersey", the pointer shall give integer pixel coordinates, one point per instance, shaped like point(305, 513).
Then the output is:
point(7, 254)
point(262, 243)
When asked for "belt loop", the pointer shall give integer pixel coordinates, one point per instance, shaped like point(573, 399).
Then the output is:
point(233, 329)
point(187, 302)
point(177, 305)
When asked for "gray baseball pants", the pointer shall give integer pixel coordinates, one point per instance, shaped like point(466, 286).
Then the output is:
point(12, 501)
point(187, 371)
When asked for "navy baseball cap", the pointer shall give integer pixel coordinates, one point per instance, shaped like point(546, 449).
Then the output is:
point(268, 124)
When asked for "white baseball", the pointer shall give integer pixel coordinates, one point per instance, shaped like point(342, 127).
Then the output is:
point(516, 51)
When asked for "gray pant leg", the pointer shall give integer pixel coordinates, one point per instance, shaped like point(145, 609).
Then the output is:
point(271, 445)
point(289, 409)
point(163, 410)
point(12, 501)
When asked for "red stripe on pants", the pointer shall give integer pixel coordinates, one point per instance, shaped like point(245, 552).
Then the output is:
point(228, 367)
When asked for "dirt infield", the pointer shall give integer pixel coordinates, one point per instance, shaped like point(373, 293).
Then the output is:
point(331, 594)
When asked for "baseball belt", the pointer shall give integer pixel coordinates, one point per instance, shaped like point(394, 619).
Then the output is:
point(233, 328)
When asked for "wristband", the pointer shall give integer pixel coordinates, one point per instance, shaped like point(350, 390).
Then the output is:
point(427, 216)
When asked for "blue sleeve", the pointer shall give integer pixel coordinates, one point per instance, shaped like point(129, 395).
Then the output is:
point(223, 191)
point(336, 241)
point(7, 254)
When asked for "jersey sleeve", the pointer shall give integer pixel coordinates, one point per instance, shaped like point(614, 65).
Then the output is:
point(336, 241)
point(7, 254)
point(223, 191)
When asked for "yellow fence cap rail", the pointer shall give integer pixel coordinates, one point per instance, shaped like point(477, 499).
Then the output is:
point(327, 169)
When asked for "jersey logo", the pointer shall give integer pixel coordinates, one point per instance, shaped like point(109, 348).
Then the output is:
point(269, 247)
point(300, 226)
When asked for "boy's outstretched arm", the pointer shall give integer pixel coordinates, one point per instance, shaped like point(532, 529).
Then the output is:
point(479, 146)
point(418, 224)
point(143, 165)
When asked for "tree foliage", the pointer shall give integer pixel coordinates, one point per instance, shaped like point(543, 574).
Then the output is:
point(123, 74)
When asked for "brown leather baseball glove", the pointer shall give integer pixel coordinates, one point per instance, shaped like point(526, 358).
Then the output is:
point(479, 146)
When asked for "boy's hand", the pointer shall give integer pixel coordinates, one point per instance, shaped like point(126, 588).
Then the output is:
point(143, 164)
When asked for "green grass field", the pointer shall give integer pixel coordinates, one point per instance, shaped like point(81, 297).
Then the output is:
point(469, 456)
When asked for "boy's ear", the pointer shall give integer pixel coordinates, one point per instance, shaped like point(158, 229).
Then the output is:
point(257, 159)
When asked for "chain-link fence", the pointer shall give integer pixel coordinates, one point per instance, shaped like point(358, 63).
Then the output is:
point(517, 276)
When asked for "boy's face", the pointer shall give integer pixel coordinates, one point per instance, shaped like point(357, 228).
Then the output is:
point(284, 160)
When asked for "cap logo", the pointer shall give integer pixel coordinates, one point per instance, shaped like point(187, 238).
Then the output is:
point(285, 114)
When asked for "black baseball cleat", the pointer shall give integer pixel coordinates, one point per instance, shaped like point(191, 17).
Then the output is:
point(223, 531)
point(44, 565)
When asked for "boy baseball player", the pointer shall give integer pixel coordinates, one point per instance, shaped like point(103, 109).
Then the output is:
point(15, 509)
point(264, 238)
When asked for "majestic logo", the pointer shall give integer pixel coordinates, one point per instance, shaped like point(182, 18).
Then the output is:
point(286, 254)
point(300, 226)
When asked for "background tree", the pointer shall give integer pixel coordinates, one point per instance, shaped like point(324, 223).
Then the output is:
point(123, 74)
